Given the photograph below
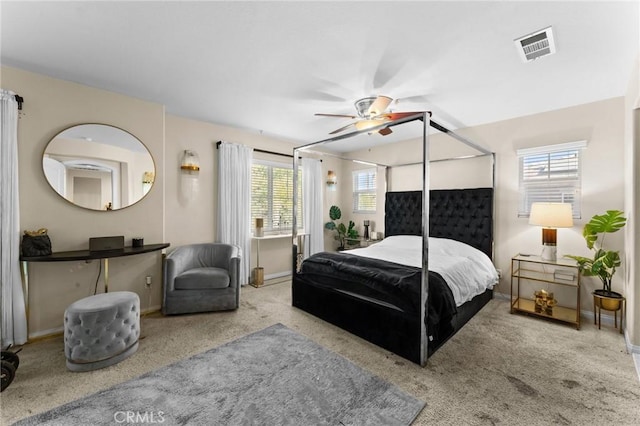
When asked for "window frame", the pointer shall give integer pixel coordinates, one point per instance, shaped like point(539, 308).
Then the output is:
point(367, 190)
point(552, 159)
point(269, 219)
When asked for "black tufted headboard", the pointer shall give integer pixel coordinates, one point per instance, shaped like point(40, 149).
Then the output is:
point(464, 215)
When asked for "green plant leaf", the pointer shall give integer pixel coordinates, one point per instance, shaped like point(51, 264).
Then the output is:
point(589, 235)
point(342, 230)
point(611, 221)
point(335, 213)
point(584, 264)
point(330, 226)
point(604, 263)
point(351, 231)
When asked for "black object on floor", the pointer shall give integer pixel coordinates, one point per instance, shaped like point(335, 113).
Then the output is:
point(10, 362)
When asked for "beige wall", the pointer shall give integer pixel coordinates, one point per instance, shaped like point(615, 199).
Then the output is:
point(600, 123)
point(50, 106)
point(175, 211)
point(191, 214)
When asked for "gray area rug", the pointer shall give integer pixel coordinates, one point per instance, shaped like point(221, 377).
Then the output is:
point(272, 377)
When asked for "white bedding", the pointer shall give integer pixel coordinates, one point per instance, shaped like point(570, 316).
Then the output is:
point(467, 270)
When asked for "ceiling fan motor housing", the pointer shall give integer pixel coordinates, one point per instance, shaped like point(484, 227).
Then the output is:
point(363, 105)
point(372, 106)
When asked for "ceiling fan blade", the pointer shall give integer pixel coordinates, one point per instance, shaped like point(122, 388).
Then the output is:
point(379, 105)
point(335, 115)
point(412, 99)
point(385, 131)
point(342, 129)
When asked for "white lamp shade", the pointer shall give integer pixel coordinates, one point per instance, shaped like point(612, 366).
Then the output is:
point(551, 215)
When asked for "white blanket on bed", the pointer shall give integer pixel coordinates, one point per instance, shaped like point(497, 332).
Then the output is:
point(467, 270)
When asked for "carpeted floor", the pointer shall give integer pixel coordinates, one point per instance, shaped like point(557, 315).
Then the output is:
point(499, 369)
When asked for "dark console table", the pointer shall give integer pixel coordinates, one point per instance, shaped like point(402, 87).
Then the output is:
point(66, 256)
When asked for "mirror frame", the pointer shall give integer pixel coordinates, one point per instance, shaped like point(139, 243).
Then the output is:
point(142, 182)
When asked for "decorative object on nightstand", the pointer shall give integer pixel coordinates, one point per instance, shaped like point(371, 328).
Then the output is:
point(527, 272)
point(604, 262)
point(366, 229)
point(544, 302)
point(550, 216)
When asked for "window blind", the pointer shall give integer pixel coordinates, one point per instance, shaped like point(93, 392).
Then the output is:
point(551, 174)
point(364, 191)
point(272, 196)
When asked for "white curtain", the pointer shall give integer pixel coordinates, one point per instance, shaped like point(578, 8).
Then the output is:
point(234, 201)
point(312, 190)
point(14, 319)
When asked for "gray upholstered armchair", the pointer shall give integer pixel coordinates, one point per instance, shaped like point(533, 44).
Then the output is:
point(201, 278)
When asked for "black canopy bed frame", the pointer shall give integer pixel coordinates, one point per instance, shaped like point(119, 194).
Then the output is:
point(464, 215)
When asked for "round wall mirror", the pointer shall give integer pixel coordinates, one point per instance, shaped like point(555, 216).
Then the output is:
point(98, 167)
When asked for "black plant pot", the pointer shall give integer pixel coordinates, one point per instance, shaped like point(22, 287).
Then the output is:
point(610, 294)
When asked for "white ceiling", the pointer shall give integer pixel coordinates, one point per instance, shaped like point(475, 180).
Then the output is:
point(271, 65)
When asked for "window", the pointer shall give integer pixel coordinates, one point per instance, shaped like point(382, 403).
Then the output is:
point(272, 195)
point(551, 174)
point(364, 191)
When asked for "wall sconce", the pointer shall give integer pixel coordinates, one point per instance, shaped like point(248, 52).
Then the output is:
point(190, 168)
point(190, 162)
point(147, 181)
point(148, 177)
point(332, 180)
point(550, 216)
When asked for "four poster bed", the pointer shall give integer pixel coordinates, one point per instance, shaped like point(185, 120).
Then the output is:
point(383, 293)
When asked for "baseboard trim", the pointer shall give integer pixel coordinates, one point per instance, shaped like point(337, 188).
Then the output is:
point(501, 296)
point(277, 275)
point(631, 348)
point(636, 361)
point(45, 334)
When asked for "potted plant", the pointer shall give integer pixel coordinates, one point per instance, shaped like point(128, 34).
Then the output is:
point(604, 262)
point(343, 233)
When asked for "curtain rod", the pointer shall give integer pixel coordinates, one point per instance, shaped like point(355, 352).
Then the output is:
point(264, 151)
point(19, 100)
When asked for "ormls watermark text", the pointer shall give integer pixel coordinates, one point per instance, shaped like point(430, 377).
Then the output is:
point(139, 417)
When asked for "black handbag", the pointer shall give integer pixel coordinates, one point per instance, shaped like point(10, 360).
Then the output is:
point(36, 243)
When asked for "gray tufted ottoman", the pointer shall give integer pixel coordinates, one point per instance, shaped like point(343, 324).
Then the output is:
point(101, 330)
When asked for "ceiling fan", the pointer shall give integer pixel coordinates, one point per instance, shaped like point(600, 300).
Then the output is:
point(371, 113)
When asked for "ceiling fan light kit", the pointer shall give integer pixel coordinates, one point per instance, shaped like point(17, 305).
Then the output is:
point(367, 124)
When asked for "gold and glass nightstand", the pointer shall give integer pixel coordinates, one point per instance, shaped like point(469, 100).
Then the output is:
point(353, 243)
point(546, 288)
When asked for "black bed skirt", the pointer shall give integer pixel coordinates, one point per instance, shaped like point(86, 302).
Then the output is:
point(386, 327)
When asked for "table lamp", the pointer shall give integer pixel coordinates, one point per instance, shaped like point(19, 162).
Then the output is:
point(550, 216)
